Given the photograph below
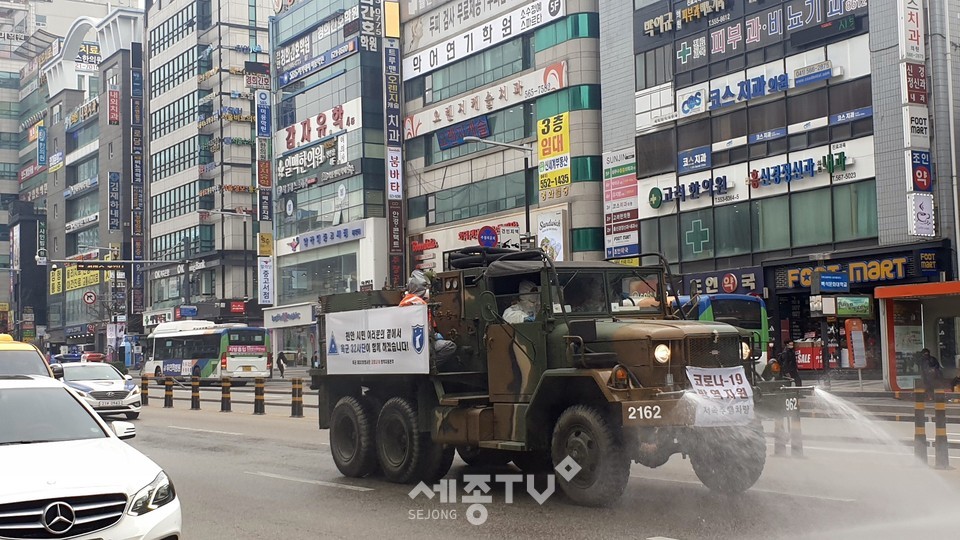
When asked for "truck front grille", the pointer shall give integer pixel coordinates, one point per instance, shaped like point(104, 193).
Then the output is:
point(708, 351)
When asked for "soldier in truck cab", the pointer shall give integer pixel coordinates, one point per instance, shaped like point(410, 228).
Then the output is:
point(418, 292)
point(526, 306)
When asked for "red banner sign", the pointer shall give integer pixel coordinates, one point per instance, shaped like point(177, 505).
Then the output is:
point(113, 107)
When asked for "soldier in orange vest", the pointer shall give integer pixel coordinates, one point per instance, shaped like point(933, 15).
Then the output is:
point(418, 292)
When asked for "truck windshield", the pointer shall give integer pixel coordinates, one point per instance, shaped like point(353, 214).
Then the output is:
point(598, 292)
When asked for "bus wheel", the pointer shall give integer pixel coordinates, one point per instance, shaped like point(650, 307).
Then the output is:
point(399, 444)
point(352, 431)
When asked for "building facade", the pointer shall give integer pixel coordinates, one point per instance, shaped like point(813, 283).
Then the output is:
point(205, 59)
point(94, 130)
point(772, 139)
point(329, 60)
point(520, 73)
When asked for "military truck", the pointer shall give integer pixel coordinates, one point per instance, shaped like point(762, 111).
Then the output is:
point(599, 373)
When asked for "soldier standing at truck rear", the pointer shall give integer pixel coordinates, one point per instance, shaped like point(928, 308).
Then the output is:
point(418, 292)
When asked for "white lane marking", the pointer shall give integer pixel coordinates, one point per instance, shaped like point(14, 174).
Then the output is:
point(751, 490)
point(314, 482)
point(205, 430)
point(661, 538)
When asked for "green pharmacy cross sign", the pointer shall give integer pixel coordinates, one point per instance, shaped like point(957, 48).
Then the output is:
point(697, 236)
point(655, 198)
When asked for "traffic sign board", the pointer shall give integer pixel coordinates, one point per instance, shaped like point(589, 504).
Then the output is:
point(188, 311)
point(89, 297)
point(488, 236)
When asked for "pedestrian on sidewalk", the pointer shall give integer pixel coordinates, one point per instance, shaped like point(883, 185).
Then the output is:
point(930, 371)
point(788, 362)
point(281, 363)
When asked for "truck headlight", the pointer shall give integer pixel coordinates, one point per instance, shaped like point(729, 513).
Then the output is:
point(662, 353)
point(153, 496)
point(745, 351)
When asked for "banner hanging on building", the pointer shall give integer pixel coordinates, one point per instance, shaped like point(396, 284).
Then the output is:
point(553, 150)
point(265, 280)
point(620, 204)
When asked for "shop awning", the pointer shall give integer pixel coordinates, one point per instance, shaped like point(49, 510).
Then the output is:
point(940, 288)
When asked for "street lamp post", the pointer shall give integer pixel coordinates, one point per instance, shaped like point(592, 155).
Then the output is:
point(528, 151)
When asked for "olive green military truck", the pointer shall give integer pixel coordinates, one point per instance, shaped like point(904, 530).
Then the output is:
point(601, 371)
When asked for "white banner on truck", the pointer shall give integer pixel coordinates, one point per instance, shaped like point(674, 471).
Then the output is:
point(724, 396)
point(378, 341)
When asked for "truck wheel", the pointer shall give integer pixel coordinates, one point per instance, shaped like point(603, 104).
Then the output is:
point(482, 457)
point(352, 437)
point(437, 460)
point(729, 459)
point(583, 434)
point(400, 446)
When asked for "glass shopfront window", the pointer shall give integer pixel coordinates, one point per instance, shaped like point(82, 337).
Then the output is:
point(731, 224)
point(771, 223)
point(697, 235)
point(811, 217)
point(298, 343)
point(918, 317)
point(303, 277)
point(321, 206)
point(855, 211)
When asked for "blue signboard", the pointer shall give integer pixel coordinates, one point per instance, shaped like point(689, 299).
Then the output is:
point(188, 311)
point(816, 76)
point(850, 116)
point(834, 282)
point(453, 136)
point(770, 135)
point(335, 54)
point(623, 251)
point(748, 89)
point(136, 83)
point(263, 113)
point(488, 236)
point(41, 146)
point(695, 159)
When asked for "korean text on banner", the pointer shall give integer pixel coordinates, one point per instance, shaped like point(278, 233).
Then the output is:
point(724, 396)
point(553, 150)
point(265, 280)
point(389, 340)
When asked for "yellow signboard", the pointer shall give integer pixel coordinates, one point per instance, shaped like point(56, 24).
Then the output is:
point(629, 261)
point(553, 149)
point(56, 281)
point(264, 244)
point(4, 307)
point(78, 279)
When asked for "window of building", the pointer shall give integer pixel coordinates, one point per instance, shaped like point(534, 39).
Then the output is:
point(650, 236)
point(768, 116)
point(807, 106)
point(41, 21)
point(771, 223)
point(10, 79)
point(508, 125)
point(9, 171)
point(478, 70)
point(176, 71)
point(174, 116)
point(9, 109)
point(657, 153)
point(575, 26)
point(697, 235)
point(321, 206)
point(811, 217)
point(83, 136)
point(417, 207)
point(175, 158)
point(57, 113)
point(695, 134)
point(10, 141)
point(476, 199)
point(731, 224)
point(310, 277)
point(668, 239)
point(5, 200)
point(655, 67)
point(183, 244)
point(81, 207)
point(180, 200)
point(855, 211)
point(851, 95)
point(575, 98)
point(729, 126)
point(172, 30)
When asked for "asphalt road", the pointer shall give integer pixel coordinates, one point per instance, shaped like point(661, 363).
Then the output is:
point(243, 476)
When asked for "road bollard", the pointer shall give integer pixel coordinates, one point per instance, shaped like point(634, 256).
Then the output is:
point(796, 434)
point(145, 389)
point(780, 436)
point(168, 393)
point(225, 394)
point(194, 393)
point(258, 405)
point(919, 425)
point(296, 404)
point(941, 449)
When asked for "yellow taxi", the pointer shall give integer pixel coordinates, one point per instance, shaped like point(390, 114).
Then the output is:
point(18, 358)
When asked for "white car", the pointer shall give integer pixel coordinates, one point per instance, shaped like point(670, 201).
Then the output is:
point(106, 390)
point(67, 474)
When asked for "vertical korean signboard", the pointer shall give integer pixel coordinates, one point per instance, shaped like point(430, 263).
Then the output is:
point(113, 104)
point(113, 201)
point(388, 21)
point(620, 204)
point(265, 280)
point(553, 150)
point(137, 232)
point(41, 146)
point(264, 134)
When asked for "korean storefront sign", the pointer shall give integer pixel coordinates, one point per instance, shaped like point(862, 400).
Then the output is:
point(452, 136)
point(551, 233)
point(487, 100)
point(329, 57)
point(263, 113)
point(305, 161)
point(42, 146)
point(890, 268)
point(483, 37)
point(919, 167)
point(41, 242)
point(553, 150)
point(265, 280)
point(922, 220)
point(341, 118)
point(694, 159)
point(620, 203)
point(691, 190)
point(265, 244)
point(287, 316)
point(371, 23)
point(736, 281)
point(113, 200)
point(916, 126)
point(329, 236)
point(910, 30)
point(914, 83)
point(451, 18)
point(113, 105)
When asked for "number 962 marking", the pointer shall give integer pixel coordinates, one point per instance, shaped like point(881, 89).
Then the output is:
point(791, 404)
point(645, 412)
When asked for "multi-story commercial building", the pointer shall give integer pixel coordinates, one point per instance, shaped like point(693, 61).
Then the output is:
point(774, 138)
point(29, 35)
point(205, 59)
point(518, 72)
point(94, 143)
point(329, 65)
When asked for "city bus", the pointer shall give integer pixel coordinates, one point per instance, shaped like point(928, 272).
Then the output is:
point(745, 311)
point(185, 349)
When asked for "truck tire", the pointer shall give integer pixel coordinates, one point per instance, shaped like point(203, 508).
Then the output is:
point(729, 459)
point(533, 462)
point(400, 446)
point(584, 434)
point(352, 437)
point(437, 460)
point(483, 457)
